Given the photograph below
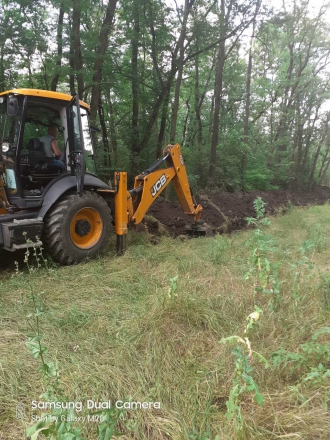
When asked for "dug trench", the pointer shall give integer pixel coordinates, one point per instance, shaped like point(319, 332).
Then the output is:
point(226, 212)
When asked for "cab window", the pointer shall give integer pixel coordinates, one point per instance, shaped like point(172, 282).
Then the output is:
point(9, 125)
point(38, 119)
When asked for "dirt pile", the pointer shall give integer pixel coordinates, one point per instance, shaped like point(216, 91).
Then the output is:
point(226, 212)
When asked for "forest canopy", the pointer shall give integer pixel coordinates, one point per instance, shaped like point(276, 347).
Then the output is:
point(242, 87)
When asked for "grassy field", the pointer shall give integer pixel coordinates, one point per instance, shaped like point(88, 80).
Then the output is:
point(148, 327)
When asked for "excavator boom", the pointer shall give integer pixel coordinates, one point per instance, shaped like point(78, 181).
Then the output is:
point(131, 206)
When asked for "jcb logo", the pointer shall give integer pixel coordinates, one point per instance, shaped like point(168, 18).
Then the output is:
point(158, 185)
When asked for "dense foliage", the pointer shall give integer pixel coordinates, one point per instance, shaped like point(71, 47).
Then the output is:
point(242, 87)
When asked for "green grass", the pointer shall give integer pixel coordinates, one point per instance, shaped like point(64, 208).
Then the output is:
point(116, 333)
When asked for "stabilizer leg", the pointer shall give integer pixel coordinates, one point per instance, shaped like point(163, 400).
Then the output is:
point(121, 211)
point(121, 244)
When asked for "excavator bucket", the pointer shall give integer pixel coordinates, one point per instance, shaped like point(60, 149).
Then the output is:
point(199, 229)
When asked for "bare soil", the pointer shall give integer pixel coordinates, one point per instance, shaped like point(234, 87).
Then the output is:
point(227, 212)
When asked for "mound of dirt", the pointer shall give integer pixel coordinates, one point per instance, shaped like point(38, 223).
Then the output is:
point(226, 212)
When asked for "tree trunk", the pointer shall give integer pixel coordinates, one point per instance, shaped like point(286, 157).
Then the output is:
point(298, 150)
point(161, 135)
point(2, 70)
point(325, 164)
point(248, 94)
point(59, 49)
point(309, 137)
point(135, 147)
point(318, 150)
point(198, 105)
point(113, 135)
point(187, 8)
point(78, 64)
point(217, 93)
point(101, 49)
point(185, 124)
point(71, 62)
point(106, 146)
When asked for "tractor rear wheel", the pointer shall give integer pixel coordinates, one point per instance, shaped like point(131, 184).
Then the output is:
point(77, 228)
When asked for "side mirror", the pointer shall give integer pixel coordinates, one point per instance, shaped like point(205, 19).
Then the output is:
point(12, 105)
point(7, 150)
point(5, 147)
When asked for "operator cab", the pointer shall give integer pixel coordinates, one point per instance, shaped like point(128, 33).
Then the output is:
point(25, 116)
point(39, 166)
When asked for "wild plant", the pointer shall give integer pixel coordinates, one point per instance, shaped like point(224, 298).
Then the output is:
point(39, 257)
point(297, 268)
point(200, 436)
point(317, 235)
point(59, 424)
point(243, 382)
point(311, 359)
point(107, 427)
point(264, 272)
point(35, 250)
point(56, 424)
point(325, 289)
point(173, 287)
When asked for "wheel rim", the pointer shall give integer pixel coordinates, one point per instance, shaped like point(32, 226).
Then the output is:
point(86, 228)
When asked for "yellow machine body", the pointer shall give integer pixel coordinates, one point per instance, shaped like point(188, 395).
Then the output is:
point(43, 94)
point(34, 187)
point(131, 206)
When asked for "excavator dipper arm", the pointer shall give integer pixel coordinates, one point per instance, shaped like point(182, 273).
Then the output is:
point(131, 206)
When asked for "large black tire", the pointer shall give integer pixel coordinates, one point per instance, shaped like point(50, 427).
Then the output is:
point(77, 228)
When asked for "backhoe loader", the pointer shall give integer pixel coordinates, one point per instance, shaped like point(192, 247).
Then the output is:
point(62, 204)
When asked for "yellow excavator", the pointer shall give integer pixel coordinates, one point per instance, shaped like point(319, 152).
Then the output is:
point(59, 201)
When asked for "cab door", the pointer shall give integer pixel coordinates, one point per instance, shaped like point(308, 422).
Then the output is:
point(76, 143)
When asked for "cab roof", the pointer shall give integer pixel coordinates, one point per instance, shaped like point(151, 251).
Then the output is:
point(44, 94)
